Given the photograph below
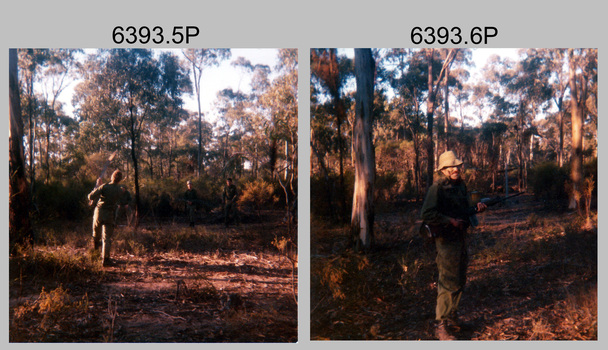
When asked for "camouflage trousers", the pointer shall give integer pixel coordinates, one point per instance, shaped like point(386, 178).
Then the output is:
point(452, 260)
point(103, 230)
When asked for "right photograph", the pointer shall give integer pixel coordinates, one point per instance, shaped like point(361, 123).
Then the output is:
point(453, 194)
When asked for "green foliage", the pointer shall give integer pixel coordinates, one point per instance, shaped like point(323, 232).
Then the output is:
point(386, 186)
point(549, 182)
point(65, 200)
point(325, 194)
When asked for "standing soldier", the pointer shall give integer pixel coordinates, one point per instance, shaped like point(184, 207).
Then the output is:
point(229, 198)
point(190, 196)
point(446, 207)
point(107, 197)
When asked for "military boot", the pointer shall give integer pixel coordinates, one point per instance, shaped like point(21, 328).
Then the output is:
point(443, 332)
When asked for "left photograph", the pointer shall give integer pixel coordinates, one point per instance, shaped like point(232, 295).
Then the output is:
point(153, 195)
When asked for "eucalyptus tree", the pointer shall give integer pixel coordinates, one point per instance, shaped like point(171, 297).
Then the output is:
point(252, 120)
point(433, 82)
point(494, 109)
point(20, 227)
point(456, 73)
point(331, 72)
point(121, 91)
point(200, 60)
point(281, 99)
point(56, 75)
point(362, 218)
point(556, 63)
point(406, 73)
point(232, 125)
point(30, 62)
point(528, 88)
point(582, 65)
point(174, 83)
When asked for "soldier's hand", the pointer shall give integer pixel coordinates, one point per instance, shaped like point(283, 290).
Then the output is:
point(459, 224)
point(481, 207)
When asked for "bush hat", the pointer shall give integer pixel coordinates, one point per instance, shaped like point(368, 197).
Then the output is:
point(448, 159)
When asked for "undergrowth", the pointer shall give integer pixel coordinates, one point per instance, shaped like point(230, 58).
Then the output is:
point(530, 278)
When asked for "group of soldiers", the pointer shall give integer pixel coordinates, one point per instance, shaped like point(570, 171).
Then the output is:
point(446, 206)
point(111, 201)
point(229, 197)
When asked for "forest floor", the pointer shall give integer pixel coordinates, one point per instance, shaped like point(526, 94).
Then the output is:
point(532, 276)
point(171, 283)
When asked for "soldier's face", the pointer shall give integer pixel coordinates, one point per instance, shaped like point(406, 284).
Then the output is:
point(452, 172)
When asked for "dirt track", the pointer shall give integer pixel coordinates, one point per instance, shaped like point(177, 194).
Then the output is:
point(191, 294)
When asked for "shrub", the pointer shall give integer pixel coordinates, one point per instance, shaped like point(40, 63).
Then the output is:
point(57, 200)
point(258, 194)
point(549, 182)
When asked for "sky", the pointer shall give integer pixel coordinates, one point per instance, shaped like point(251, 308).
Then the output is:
point(225, 76)
point(214, 79)
point(480, 58)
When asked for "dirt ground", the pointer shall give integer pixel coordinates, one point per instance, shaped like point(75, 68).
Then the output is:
point(532, 276)
point(240, 288)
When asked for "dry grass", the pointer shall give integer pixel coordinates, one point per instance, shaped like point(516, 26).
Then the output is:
point(531, 277)
point(171, 284)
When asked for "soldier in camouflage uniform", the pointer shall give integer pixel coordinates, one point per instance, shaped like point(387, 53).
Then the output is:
point(190, 196)
point(229, 199)
point(446, 207)
point(106, 197)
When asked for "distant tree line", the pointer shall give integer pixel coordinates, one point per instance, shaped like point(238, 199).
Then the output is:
point(538, 109)
point(131, 101)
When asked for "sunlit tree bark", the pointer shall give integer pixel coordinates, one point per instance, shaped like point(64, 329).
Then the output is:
point(362, 219)
point(577, 101)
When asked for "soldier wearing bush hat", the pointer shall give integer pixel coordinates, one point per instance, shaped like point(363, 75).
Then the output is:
point(446, 209)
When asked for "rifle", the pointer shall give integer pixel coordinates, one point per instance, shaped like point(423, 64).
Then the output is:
point(429, 231)
point(491, 201)
point(488, 202)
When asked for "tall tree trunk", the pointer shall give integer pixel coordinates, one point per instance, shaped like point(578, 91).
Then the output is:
point(431, 99)
point(20, 228)
point(197, 88)
point(560, 151)
point(334, 89)
point(446, 108)
point(133, 132)
point(576, 158)
point(32, 131)
point(430, 109)
point(362, 219)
